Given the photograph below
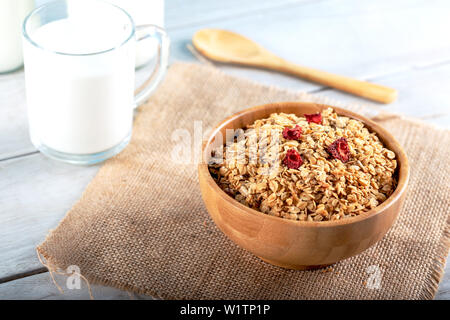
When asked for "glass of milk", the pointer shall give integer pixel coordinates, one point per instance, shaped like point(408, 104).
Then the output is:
point(12, 13)
point(79, 58)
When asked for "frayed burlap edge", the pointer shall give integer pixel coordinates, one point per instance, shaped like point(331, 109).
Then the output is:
point(438, 267)
point(53, 268)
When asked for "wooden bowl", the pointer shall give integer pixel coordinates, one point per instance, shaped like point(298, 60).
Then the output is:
point(299, 244)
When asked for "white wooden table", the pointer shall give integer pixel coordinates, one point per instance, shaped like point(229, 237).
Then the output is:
point(403, 44)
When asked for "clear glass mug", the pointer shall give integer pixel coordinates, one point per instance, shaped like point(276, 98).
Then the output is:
point(79, 58)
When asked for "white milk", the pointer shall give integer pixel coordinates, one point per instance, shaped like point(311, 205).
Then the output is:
point(144, 12)
point(12, 14)
point(79, 104)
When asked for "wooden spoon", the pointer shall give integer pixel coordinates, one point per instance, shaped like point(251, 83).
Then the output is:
point(230, 47)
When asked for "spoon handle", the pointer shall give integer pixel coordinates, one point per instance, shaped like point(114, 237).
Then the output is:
point(364, 89)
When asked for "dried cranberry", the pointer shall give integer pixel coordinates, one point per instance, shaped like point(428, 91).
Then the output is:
point(293, 160)
point(316, 118)
point(339, 150)
point(292, 133)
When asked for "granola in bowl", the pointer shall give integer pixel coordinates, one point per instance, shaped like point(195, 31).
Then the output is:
point(316, 167)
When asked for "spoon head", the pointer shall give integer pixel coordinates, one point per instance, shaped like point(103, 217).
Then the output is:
point(226, 46)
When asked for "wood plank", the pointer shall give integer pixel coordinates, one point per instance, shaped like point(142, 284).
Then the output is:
point(35, 193)
point(422, 94)
point(363, 39)
point(444, 287)
point(181, 13)
point(14, 138)
point(41, 287)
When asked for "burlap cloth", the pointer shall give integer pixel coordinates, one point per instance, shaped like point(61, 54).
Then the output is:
point(141, 224)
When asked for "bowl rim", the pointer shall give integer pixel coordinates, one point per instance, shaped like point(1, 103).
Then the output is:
point(402, 160)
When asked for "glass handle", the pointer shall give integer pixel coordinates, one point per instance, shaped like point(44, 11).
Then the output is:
point(150, 85)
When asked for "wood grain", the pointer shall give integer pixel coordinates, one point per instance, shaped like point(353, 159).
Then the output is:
point(182, 13)
point(422, 94)
point(361, 39)
point(35, 193)
point(41, 287)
